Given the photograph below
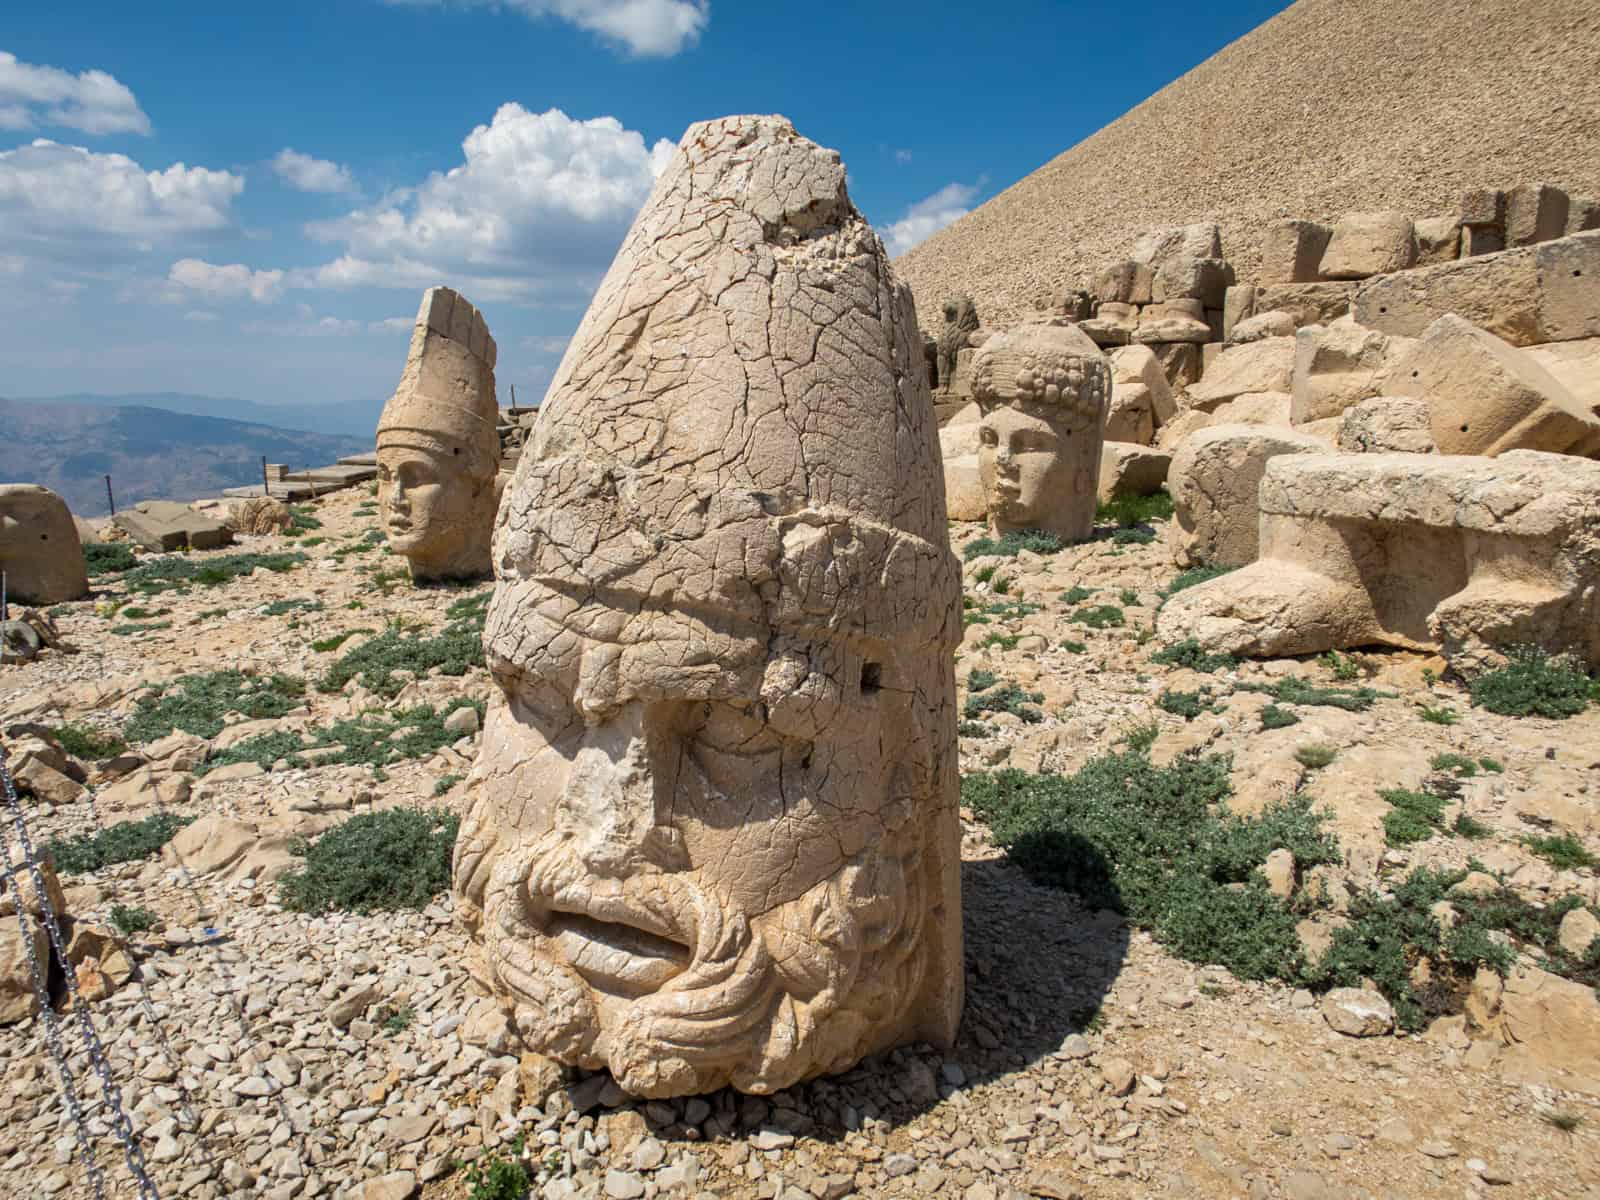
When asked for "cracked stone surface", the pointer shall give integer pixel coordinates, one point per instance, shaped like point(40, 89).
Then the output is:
point(39, 548)
point(438, 453)
point(713, 834)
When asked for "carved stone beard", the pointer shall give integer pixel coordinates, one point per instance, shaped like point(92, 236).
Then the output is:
point(757, 1002)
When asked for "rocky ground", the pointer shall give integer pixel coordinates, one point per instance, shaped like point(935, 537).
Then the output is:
point(263, 1052)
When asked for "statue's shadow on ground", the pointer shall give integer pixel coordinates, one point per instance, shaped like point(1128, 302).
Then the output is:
point(1039, 963)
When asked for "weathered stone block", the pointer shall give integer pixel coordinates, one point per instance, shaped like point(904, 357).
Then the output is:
point(1370, 243)
point(1125, 282)
point(1180, 320)
point(1535, 212)
point(1384, 424)
point(1458, 555)
point(166, 525)
point(1238, 304)
point(1180, 361)
point(1544, 293)
point(1476, 240)
point(1129, 470)
point(1261, 366)
point(1309, 303)
point(1213, 479)
point(1582, 215)
point(1291, 252)
point(1135, 368)
point(1180, 277)
point(39, 548)
point(1486, 397)
point(1339, 364)
point(1438, 240)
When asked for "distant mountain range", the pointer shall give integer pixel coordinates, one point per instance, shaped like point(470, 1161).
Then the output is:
point(154, 452)
point(353, 418)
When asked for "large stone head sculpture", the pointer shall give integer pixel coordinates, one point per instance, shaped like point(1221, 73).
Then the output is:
point(713, 834)
point(1043, 391)
point(438, 450)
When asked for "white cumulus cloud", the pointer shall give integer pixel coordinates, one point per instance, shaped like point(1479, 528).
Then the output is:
point(61, 196)
point(91, 101)
point(307, 174)
point(929, 215)
point(644, 28)
point(231, 282)
point(539, 205)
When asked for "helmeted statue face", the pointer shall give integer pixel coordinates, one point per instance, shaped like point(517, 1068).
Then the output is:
point(428, 505)
point(1043, 392)
point(438, 451)
point(713, 832)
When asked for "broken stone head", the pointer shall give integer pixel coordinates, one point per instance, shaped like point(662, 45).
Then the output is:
point(713, 834)
point(1043, 391)
point(438, 450)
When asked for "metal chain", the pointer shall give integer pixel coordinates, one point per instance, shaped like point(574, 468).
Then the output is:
point(97, 1057)
point(41, 991)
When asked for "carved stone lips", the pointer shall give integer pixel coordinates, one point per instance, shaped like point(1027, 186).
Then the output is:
point(614, 945)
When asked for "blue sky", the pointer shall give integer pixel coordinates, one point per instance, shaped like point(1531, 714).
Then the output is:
point(245, 199)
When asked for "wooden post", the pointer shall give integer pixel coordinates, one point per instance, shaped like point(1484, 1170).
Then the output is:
point(111, 502)
point(266, 487)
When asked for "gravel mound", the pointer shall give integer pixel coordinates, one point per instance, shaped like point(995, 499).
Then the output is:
point(1332, 106)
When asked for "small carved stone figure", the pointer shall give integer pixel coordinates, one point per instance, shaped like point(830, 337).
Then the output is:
point(960, 322)
point(713, 833)
point(1043, 391)
point(438, 450)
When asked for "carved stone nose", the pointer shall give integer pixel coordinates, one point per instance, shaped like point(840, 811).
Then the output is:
point(610, 806)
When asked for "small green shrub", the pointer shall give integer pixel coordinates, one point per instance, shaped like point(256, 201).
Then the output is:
point(1010, 545)
point(126, 841)
point(1191, 654)
point(129, 630)
point(81, 741)
point(1129, 597)
point(1273, 717)
point(980, 679)
point(496, 1177)
point(445, 783)
point(279, 607)
point(1187, 705)
point(1131, 537)
point(1315, 757)
point(1470, 827)
point(973, 729)
point(1412, 816)
point(373, 862)
point(175, 571)
point(1462, 766)
point(196, 703)
point(1195, 576)
point(1564, 852)
point(1293, 690)
point(395, 1020)
point(1003, 641)
point(129, 921)
point(1076, 595)
point(301, 518)
point(323, 645)
point(1532, 683)
point(1100, 616)
point(1439, 715)
point(1006, 697)
point(1157, 844)
point(374, 739)
point(106, 558)
point(1492, 765)
point(458, 646)
point(1072, 647)
point(1344, 667)
point(1128, 511)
